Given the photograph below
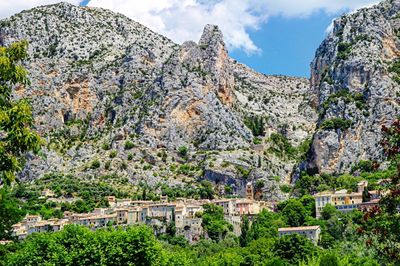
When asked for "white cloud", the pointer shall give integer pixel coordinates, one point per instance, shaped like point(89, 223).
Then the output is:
point(183, 20)
point(11, 7)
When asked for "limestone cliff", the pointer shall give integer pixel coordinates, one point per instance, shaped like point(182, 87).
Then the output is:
point(356, 88)
point(107, 89)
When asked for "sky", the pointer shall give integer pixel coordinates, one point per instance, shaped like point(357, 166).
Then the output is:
point(271, 36)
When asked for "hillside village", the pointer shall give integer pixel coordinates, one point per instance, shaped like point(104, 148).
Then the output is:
point(185, 214)
point(120, 147)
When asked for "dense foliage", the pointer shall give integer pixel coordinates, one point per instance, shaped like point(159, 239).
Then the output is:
point(79, 246)
point(16, 122)
point(10, 213)
point(336, 123)
point(382, 224)
point(255, 124)
point(214, 223)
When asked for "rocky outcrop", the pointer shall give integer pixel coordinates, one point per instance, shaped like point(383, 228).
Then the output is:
point(355, 87)
point(101, 80)
point(109, 89)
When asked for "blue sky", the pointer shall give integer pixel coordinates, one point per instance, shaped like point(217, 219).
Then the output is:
point(287, 45)
point(271, 36)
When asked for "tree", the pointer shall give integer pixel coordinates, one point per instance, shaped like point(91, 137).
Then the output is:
point(16, 122)
point(365, 195)
point(329, 259)
point(294, 213)
point(214, 223)
point(328, 212)
point(382, 223)
point(206, 190)
point(10, 213)
point(266, 225)
point(77, 245)
point(294, 248)
point(245, 228)
point(309, 204)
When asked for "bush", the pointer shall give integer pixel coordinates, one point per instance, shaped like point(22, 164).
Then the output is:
point(395, 68)
point(243, 171)
point(129, 145)
point(257, 141)
point(365, 166)
point(95, 164)
point(113, 154)
point(130, 157)
point(344, 50)
point(123, 166)
point(106, 146)
point(255, 124)
point(336, 123)
point(281, 146)
point(183, 151)
point(285, 188)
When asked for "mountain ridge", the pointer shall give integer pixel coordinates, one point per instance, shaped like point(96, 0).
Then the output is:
point(105, 84)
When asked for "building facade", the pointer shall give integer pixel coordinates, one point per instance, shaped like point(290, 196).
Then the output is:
point(311, 232)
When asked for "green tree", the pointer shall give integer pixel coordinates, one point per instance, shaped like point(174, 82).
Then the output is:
point(266, 225)
point(328, 212)
point(76, 245)
point(16, 122)
point(245, 228)
point(382, 224)
point(329, 259)
point(294, 212)
point(10, 212)
point(206, 190)
point(365, 195)
point(294, 248)
point(309, 204)
point(214, 223)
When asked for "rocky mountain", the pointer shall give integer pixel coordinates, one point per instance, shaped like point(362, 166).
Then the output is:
point(355, 83)
point(113, 98)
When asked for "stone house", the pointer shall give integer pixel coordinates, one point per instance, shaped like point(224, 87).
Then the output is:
point(311, 232)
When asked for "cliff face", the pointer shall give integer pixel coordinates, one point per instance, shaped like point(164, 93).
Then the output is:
point(356, 87)
point(107, 89)
point(101, 80)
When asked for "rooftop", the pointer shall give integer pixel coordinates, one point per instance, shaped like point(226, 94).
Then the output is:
point(301, 228)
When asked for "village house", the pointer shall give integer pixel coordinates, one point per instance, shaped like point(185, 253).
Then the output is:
point(111, 200)
point(311, 232)
point(236, 222)
point(123, 202)
point(191, 229)
point(155, 214)
point(32, 218)
point(134, 216)
point(341, 200)
point(227, 205)
point(34, 224)
point(246, 206)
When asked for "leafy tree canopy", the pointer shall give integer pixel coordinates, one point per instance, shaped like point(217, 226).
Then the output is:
point(16, 122)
